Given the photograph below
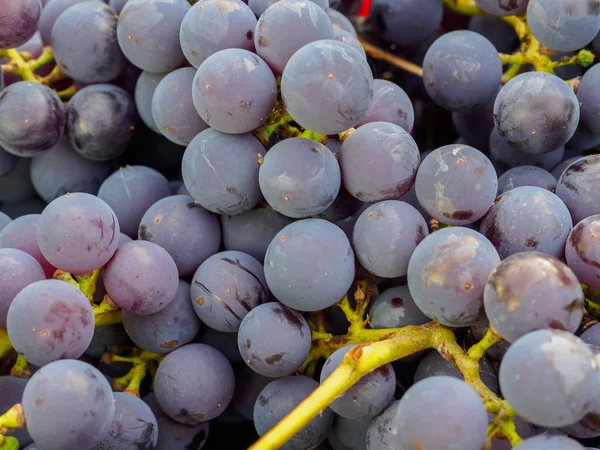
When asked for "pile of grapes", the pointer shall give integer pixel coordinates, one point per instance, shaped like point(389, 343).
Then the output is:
point(295, 224)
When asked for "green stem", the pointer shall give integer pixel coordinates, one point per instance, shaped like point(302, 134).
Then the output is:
point(477, 351)
point(45, 58)
point(23, 69)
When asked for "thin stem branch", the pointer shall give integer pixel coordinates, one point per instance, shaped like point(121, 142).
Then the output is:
point(377, 53)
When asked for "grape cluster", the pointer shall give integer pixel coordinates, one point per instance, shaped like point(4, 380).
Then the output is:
point(299, 224)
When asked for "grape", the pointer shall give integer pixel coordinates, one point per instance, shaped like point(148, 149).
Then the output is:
point(141, 278)
point(536, 112)
point(133, 426)
point(299, 177)
point(167, 330)
point(563, 26)
point(248, 386)
point(456, 184)
point(369, 396)
point(100, 121)
point(338, 20)
point(349, 434)
point(447, 274)
point(144, 92)
point(84, 43)
point(546, 376)
point(285, 348)
point(18, 21)
point(547, 442)
point(61, 315)
point(499, 33)
point(194, 384)
point(33, 205)
point(182, 190)
point(395, 308)
point(8, 161)
point(526, 176)
point(453, 406)
point(62, 170)
point(382, 432)
point(385, 236)
point(173, 109)
point(224, 182)
point(583, 139)
point(173, 435)
point(21, 234)
point(407, 22)
point(117, 5)
point(251, 232)
point(343, 206)
point(76, 233)
point(505, 156)
point(226, 287)
point(234, 91)
point(105, 337)
point(148, 33)
point(50, 12)
point(327, 86)
point(260, 6)
point(588, 95)
point(216, 25)
point(226, 343)
point(461, 71)
point(583, 253)
point(11, 393)
point(130, 191)
point(348, 38)
point(577, 186)
point(382, 148)
point(189, 233)
point(309, 265)
point(503, 7)
point(497, 350)
point(278, 399)
point(32, 118)
point(390, 104)
point(17, 271)
point(68, 404)
point(300, 21)
point(4, 220)
point(475, 126)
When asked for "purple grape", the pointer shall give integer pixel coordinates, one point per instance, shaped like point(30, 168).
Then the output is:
point(429, 401)
point(456, 184)
point(144, 92)
point(503, 7)
point(252, 232)
point(226, 343)
point(511, 231)
point(343, 206)
point(141, 278)
point(382, 432)
point(278, 399)
point(216, 25)
point(302, 22)
point(78, 233)
point(4, 220)
point(327, 86)
point(349, 434)
point(577, 186)
point(560, 168)
point(173, 435)
point(100, 121)
point(526, 176)
point(582, 251)
point(68, 404)
point(309, 265)
point(21, 234)
point(8, 162)
point(498, 32)
point(18, 21)
point(369, 396)
point(536, 112)
point(221, 171)
point(117, 5)
point(140, 42)
point(34, 118)
point(390, 104)
point(11, 393)
point(340, 21)
point(382, 148)
point(588, 95)
point(167, 330)
point(447, 275)
point(133, 427)
point(350, 39)
point(286, 346)
point(130, 191)
point(540, 390)
point(237, 103)
point(248, 386)
point(395, 308)
point(84, 43)
point(548, 442)
point(385, 236)
point(188, 232)
point(258, 7)
point(299, 177)
point(17, 271)
point(407, 22)
point(105, 337)
point(475, 126)
point(226, 287)
point(50, 12)
point(583, 139)
point(194, 384)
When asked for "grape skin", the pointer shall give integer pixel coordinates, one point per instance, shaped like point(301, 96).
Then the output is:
point(327, 86)
point(390, 104)
point(407, 22)
point(117, 5)
point(503, 7)
point(583, 139)
point(248, 386)
point(218, 25)
point(577, 186)
point(349, 434)
point(4, 220)
point(8, 161)
point(226, 343)
point(285, 348)
point(68, 404)
point(582, 252)
point(338, 20)
point(475, 126)
point(194, 384)
point(84, 43)
point(382, 432)
point(348, 38)
point(395, 308)
point(526, 176)
point(548, 442)
point(299, 177)
point(11, 393)
point(499, 33)
point(50, 12)
point(144, 92)
point(588, 95)
point(18, 22)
